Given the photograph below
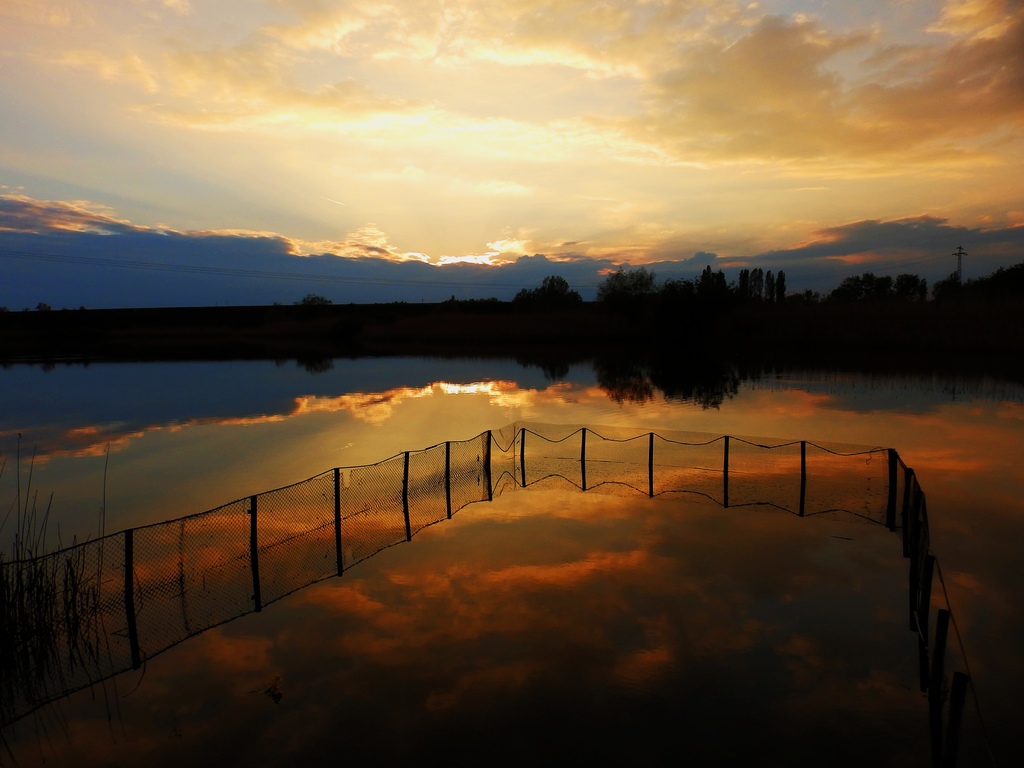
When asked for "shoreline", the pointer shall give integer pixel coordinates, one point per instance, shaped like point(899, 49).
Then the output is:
point(980, 337)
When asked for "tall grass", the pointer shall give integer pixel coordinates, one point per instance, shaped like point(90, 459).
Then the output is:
point(49, 607)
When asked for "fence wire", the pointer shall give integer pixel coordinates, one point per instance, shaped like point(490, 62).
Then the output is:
point(80, 615)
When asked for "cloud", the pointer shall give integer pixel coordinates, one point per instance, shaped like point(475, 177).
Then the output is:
point(19, 213)
point(69, 254)
point(920, 245)
point(779, 93)
point(77, 253)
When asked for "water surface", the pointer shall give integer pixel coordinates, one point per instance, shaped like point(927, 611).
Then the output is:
point(126, 445)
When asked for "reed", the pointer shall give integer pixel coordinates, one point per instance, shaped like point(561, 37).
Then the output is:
point(49, 605)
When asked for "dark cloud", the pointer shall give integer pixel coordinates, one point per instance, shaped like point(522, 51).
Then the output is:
point(922, 245)
point(68, 255)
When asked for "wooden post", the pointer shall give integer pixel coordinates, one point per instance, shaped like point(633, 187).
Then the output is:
point(725, 475)
point(522, 454)
point(405, 498)
point(957, 694)
point(803, 476)
point(254, 556)
point(583, 458)
point(890, 508)
point(487, 466)
point(448, 478)
point(337, 522)
point(650, 465)
point(129, 597)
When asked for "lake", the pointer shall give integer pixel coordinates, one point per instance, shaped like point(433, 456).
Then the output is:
point(549, 620)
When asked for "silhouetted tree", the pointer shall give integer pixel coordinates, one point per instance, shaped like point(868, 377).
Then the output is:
point(1004, 283)
point(712, 285)
point(626, 290)
point(807, 297)
point(950, 288)
point(314, 300)
point(625, 381)
point(780, 287)
point(553, 292)
point(866, 287)
point(910, 287)
point(769, 286)
point(756, 283)
point(743, 285)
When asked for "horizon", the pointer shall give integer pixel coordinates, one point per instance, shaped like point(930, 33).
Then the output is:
point(176, 153)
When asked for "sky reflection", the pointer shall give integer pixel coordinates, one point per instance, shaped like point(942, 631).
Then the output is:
point(188, 437)
point(585, 621)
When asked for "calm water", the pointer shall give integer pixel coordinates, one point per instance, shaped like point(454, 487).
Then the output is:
point(605, 624)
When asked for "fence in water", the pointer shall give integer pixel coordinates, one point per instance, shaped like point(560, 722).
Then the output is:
point(80, 615)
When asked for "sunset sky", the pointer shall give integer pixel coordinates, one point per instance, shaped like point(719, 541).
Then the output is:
point(192, 151)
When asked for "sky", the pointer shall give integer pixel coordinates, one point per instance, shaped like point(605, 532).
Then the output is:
point(249, 151)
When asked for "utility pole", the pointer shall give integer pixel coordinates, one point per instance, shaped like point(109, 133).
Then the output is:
point(960, 253)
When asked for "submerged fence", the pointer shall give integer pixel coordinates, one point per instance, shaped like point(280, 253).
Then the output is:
point(78, 616)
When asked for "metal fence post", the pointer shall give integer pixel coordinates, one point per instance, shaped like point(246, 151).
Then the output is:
point(957, 694)
point(725, 474)
point(890, 508)
point(583, 458)
point(337, 521)
point(803, 476)
point(448, 479)
point(254, 556)
point(129, 597)
point(909, 481)
point(487, 465)
point(924, 599)
point(935, 684)
point(650, 465)
point(405, 497)
point(522, 454)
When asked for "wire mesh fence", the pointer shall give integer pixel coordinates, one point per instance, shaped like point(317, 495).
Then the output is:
point(77, 616)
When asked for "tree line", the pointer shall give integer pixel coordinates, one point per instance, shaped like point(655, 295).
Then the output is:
point(626, 289)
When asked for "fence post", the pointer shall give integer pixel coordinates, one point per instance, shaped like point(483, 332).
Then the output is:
point(129, 597)
point(890, 508)
point(725, 475)
point(914, 553)
point(803, 476)
point(448, 478)
point(254, 556)
point(924, 600)
point(522, 453)
point(487, 465)
point(935, 684)
point(909, 480)
point(337, 521)
point(957, 694)
point(405, 497)
point(583, 458)
point(650, 465)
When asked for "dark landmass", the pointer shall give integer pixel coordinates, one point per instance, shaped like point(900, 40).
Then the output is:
point(975, 336)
